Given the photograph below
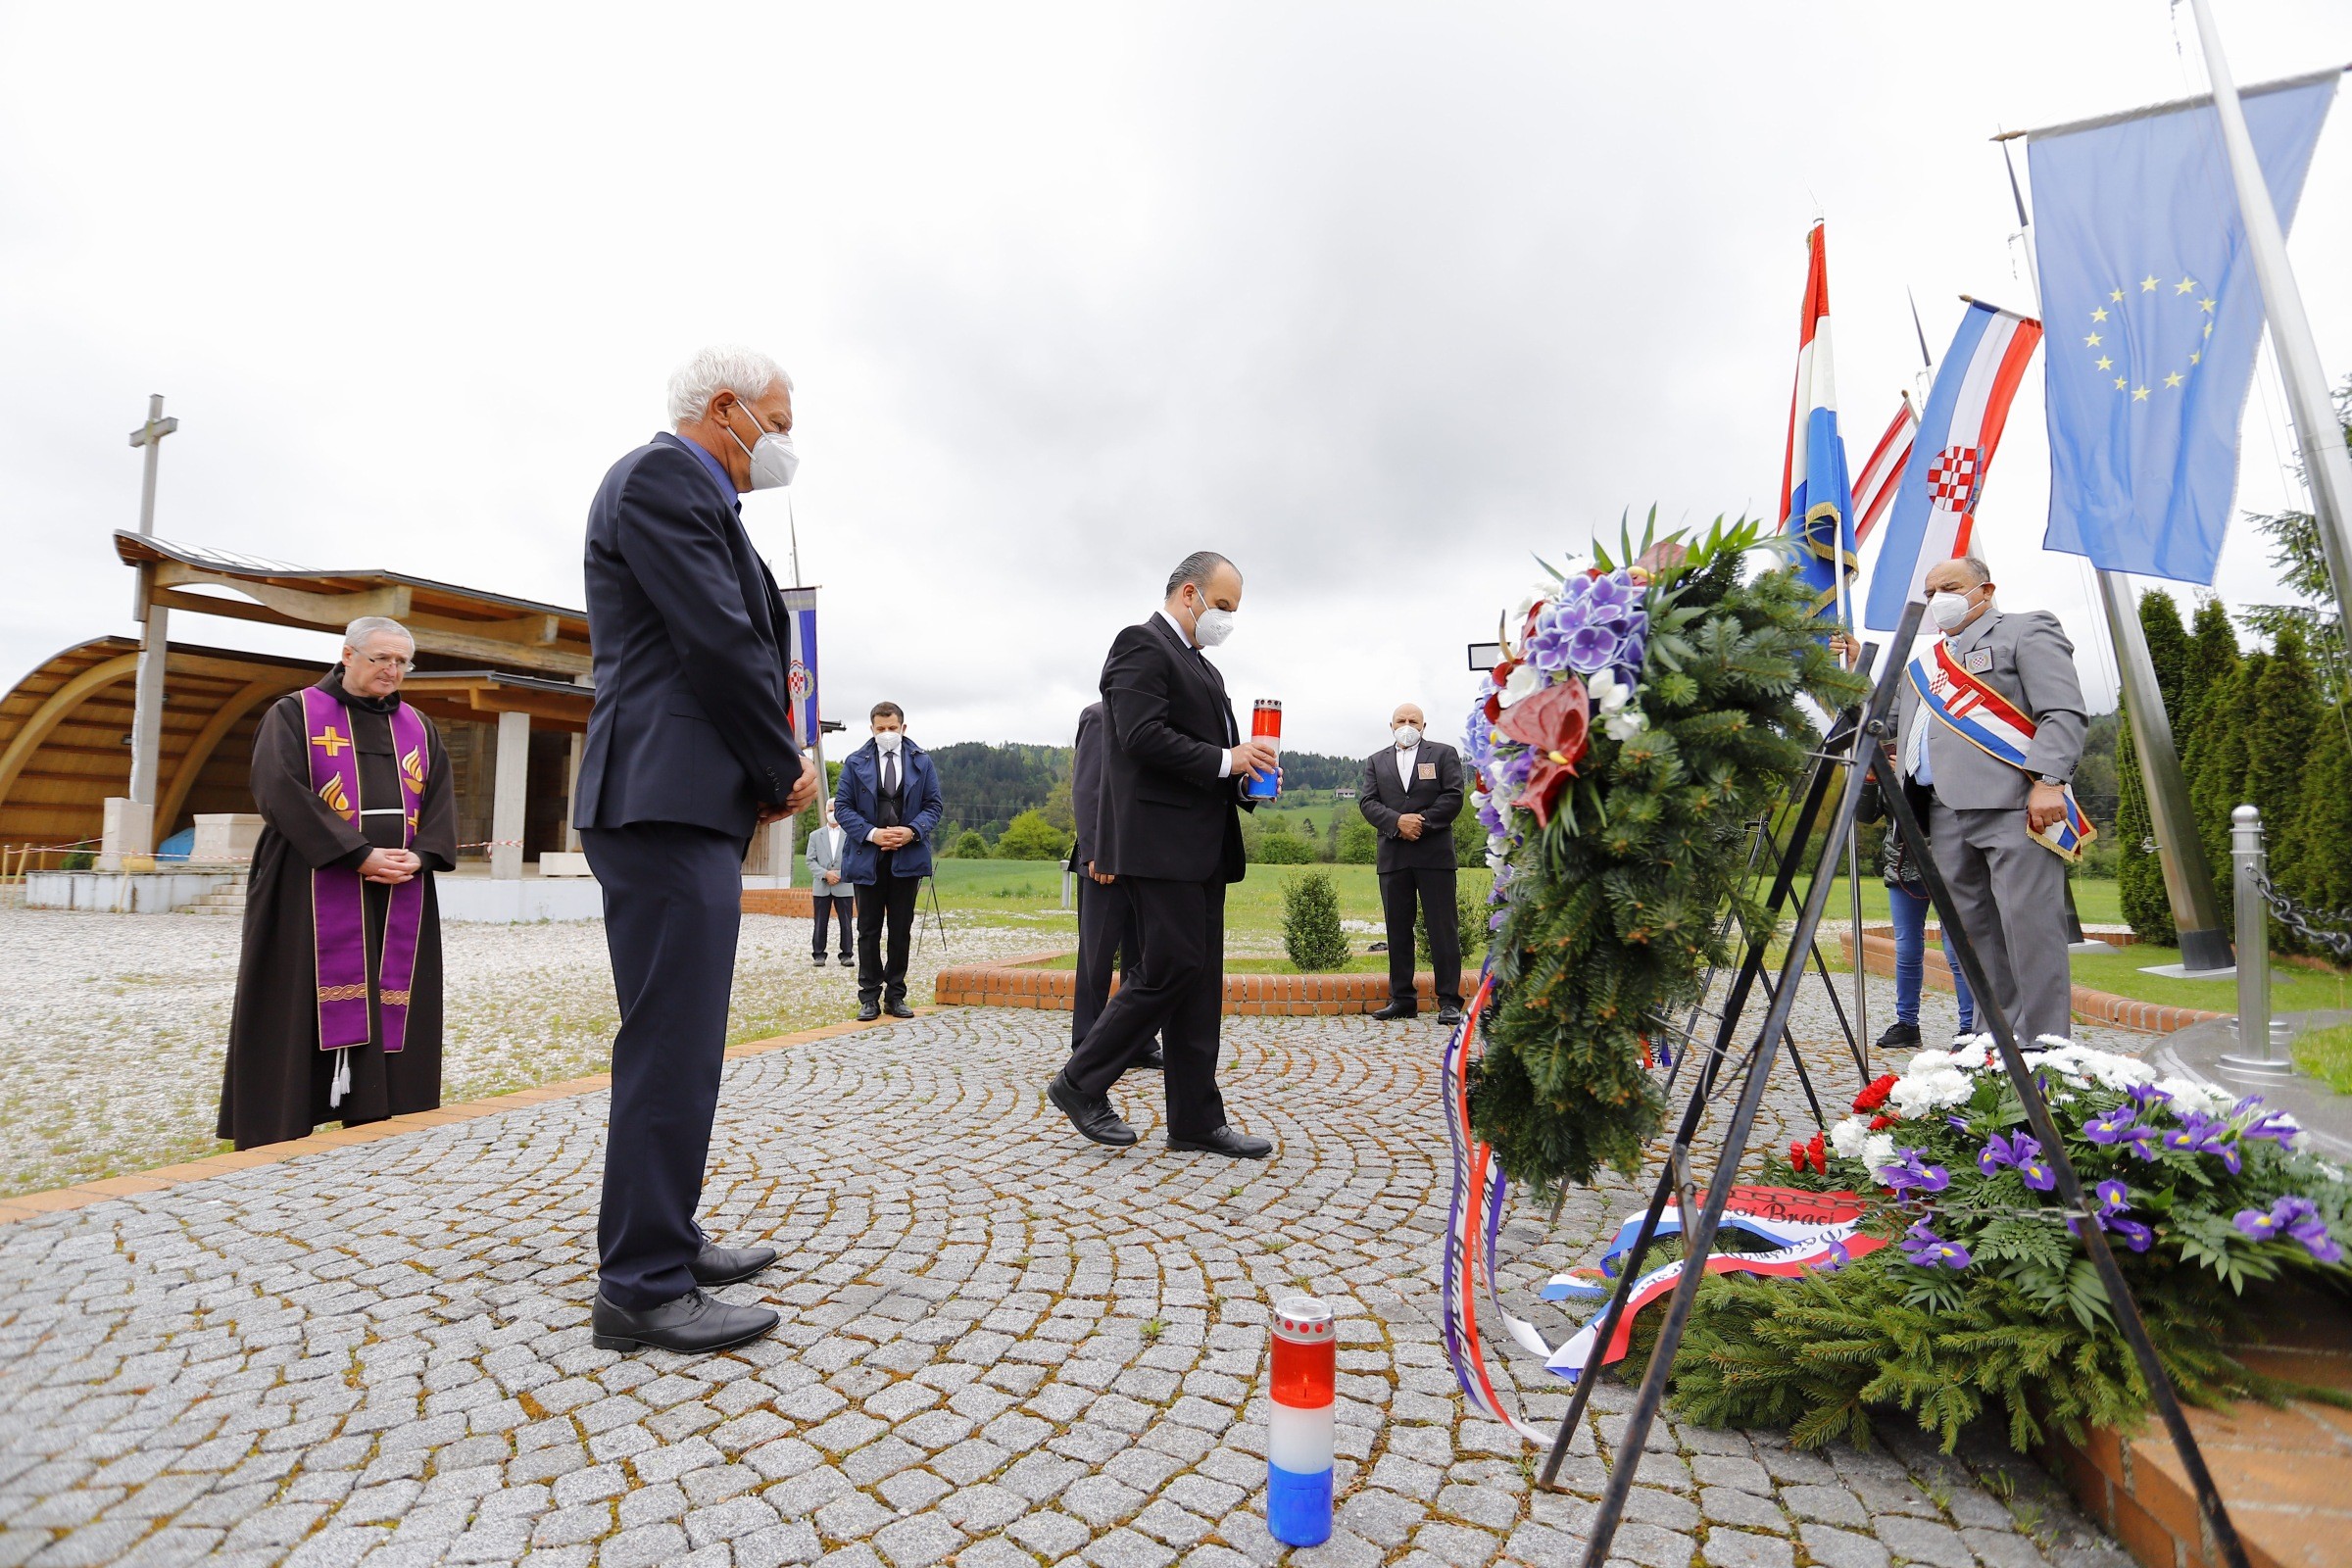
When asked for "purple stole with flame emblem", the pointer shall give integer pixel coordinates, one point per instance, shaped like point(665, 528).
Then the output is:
point(338, 894)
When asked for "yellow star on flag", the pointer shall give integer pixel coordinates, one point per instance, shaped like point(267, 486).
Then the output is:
point(2147, 284)
point(2118, 383)
point(2173, 379)
point(2116, 295)
point(2106, 364)
point(2194, 358)
point(2184, 286)
point(2206, 306)
point(2099, 315)
point(2139, 394)
point(2091, 341)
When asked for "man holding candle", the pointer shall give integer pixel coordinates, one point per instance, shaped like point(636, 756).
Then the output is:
point(1174, 766)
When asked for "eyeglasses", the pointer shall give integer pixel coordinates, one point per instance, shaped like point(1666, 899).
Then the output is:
point(388, 662)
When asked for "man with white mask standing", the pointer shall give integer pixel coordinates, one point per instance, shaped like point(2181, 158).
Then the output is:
point(1411, 792)
point(1174, 766)
point(690, 746)
point(1993, 723)
point(887, 801)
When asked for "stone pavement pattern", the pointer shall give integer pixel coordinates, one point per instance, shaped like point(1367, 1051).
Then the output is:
point(1000, 1346)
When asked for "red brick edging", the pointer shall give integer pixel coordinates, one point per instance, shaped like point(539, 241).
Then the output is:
point(24, 1206)
point(1012, 983)
point(794, 901)
point(2091, 1007)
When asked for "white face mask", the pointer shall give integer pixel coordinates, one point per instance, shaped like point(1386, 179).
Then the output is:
point(1409, 736)
point(888, 741)
point(1948, 609)
point(1213, 626)
point(773, 460)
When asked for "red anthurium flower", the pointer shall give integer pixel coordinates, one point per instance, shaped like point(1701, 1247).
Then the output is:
point(1664, 555)
point(1554, 724)
point(1502, 673)
point(1874, 1093)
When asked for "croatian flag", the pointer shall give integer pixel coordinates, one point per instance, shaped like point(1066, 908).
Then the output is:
point(1817, 502)
point(800, 664)
point(1936, 500)
point(1875, 485)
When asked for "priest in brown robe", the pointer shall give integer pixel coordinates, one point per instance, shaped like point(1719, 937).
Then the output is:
point(339, 987)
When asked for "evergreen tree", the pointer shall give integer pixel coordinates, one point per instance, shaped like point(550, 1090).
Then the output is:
point(2312, 855)
point(2217, 764)
point(2281, 728)
point(2138, 871)
point(2213, 658)
point(2167, 646)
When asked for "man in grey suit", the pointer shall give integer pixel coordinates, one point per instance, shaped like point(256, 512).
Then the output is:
point(829, 895)
point(2010, 887)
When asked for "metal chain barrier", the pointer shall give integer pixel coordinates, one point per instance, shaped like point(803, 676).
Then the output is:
point(2329, 928)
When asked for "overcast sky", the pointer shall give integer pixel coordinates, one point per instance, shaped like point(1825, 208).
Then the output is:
point(1378, 300)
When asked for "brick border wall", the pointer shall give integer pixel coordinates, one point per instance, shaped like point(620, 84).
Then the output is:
point(794, 901)
point(2091, 1007)
point(1011, 983)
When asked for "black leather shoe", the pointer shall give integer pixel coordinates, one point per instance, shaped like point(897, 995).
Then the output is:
point(1149, 1061)
point(818, 959)
point(868, 1011)
point(1094, 1118)
point(1225, 1141)
point(693, 1324)
point(714, 1266)
point(845, 960)
point(1900, 1036)
point(898, 1009)
point(1449, 1016)
point(1397, 1009)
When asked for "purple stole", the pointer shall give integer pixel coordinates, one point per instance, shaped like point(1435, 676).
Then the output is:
point(338, 895)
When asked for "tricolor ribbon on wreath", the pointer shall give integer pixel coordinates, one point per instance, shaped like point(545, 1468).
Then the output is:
point(338, 894)
point(1985, 720)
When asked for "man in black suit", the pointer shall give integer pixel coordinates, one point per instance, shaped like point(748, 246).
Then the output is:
point(1411, 793)
point(690, 746)
point(1106, 924)
point(1174, 766)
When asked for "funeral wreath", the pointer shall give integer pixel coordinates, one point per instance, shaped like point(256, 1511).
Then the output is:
point(1644, 716)
point(1989, 1303)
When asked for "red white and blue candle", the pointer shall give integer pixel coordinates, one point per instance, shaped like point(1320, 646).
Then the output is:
point(1298, 1445)
point(1265, 724)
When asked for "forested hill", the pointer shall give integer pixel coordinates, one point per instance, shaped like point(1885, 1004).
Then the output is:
point(986, 786)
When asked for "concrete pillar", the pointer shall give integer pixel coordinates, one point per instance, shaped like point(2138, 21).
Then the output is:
point(512, 795)
point(767, 861)
point(127, 836)
point(572, 791)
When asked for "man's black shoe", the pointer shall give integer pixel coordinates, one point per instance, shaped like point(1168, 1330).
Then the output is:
point(1397, 1009)
point(898, 1009)
point(1449, 1016)
point(1900, 1036)
point(693, 1324)
point(1149, 1061)
point(1225, 1141)
point(714, 1266)
point(818, 959)
point(868, 1011)
point(845, 960)
point(1094, 1118)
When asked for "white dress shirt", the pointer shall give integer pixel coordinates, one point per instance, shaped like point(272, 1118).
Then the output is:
point(1405, 763)
point(1225, 760)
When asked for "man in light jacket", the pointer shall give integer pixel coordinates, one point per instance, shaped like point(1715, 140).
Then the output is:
point(829, 892)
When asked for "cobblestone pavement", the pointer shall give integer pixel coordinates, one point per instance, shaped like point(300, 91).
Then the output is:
point(1000, 1346)
point(133, 1009)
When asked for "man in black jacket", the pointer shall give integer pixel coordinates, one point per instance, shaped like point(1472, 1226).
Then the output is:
point(1106, 923)
point(690, 746)
point(1411, 793)
point(1174, 766)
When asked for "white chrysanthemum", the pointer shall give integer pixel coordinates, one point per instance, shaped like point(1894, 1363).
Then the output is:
point(2188, 1095)
point(1878, 1150)
point(1849, 1137)
point(1922, 1093)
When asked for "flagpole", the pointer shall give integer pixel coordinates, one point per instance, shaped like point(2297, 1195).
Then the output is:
point(2325, 460)
point(1853, 833)
point(2180, 852)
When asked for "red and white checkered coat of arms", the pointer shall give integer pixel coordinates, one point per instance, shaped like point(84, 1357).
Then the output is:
point(1952, 478)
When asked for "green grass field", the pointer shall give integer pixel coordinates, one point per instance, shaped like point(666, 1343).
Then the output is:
point(2098, 902)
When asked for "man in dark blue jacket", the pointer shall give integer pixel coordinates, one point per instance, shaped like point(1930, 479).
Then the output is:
point(690, 746)
point(887, 799)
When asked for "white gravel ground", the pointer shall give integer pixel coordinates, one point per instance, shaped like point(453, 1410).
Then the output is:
point(111, 1026)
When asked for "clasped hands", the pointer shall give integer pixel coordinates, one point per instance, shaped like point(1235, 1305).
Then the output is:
point(391, 867)
point(1408, 826)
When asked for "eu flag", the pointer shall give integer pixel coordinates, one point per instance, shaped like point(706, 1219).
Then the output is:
point(2152, 312)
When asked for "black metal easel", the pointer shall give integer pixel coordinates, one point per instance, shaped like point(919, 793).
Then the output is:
point(1866, 756)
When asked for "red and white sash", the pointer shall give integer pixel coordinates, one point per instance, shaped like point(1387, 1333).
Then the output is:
point(1981, 716)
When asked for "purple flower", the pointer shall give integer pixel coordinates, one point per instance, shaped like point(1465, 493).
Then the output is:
point(1612, 592)
point(2114, 1197)
point(1913, 1176)
point(2136, 1236)
point(1959, 1124)
point(2022, 1152)
point(2297, 1219)
point(1591, 649)
point(2275, 1125)
point(2200, 1134)
point(1999, 1152)
point(2145, 1094)
point(1927, 1249)
point(2257, 1224)
point(2112, 1126)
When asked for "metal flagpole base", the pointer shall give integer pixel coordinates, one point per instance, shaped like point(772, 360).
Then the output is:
point(2206, 951)
point(2267, 1066)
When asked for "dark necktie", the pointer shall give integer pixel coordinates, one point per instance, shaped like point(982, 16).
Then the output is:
point(890, 775)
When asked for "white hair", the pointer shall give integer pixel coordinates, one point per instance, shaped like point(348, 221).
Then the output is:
point(746, 372)
point(356, 635)
point(1978, 572)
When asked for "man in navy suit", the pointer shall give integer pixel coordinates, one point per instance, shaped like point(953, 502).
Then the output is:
point(1174, 766)
point(690, 746)
point(888, 802)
